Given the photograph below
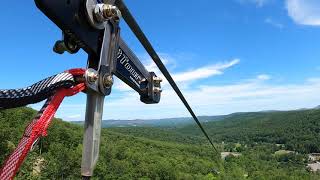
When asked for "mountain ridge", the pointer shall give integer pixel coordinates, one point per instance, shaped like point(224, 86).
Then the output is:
point(180, 121)
point(166, 122)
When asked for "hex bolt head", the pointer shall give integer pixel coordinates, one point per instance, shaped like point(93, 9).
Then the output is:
point(91, 76)
point(107, 80)
point(59, 47)
point(104, 12)
point(110, 11)
point(157, 90)
point(157, 79)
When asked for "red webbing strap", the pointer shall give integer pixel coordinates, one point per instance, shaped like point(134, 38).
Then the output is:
point(37, 128)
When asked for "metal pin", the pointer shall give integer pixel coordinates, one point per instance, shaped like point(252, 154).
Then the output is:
point(157, 90)
point(157, 79)
point(105, 12)
point(107, 81)
point(91, 75)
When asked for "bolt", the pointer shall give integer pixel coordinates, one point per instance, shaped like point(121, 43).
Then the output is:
point(92, 75)
point(72, 47)
point(110, 11)
point(65, 45)
point(157, 90)
point(143, 80)
point(59, 47)
point(105, 12)
point(157, 79)
point(107, 81)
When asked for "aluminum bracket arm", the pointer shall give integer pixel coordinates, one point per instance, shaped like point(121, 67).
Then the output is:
point(78, 26)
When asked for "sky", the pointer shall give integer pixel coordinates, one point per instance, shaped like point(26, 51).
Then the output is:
point(226, 56)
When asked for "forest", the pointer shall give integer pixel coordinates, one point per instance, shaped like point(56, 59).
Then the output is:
point(177, 152)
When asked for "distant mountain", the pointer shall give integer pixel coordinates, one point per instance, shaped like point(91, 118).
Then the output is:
point(317, 107)
point(298, 130)
point(184, 121)
point(175, 153)
point(169, 122)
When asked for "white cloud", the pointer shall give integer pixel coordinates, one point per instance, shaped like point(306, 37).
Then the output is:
point(193, 74)
point(258, 3)
point(304, 12)
point(248, 95)
point(187, 76)
point(252, 95)
point(263, 77)
point(204, 72)
point(74, 117)
point(274, 23)
point(165, 58)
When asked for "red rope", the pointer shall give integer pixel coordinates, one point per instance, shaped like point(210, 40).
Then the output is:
point(38, 128)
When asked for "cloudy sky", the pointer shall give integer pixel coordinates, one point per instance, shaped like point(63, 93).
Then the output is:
point(227, 56)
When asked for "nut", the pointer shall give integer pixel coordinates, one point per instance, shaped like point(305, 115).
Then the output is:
point(110, 11)
point(105, 12)
point(157, 79)
point(157, 90)
point(107, 81)
point(91, 76)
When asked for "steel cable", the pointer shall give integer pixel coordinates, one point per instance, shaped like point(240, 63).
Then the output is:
point(127, 16)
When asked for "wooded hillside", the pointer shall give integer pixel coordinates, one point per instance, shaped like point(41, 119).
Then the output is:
point(155, 153)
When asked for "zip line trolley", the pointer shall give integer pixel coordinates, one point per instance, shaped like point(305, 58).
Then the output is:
point(91, 25)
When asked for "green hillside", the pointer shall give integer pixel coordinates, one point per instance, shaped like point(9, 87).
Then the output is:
point(150, 153)
point(298, 130)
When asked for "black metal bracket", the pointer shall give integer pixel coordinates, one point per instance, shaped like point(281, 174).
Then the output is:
point(71, 17)
point(131, 71)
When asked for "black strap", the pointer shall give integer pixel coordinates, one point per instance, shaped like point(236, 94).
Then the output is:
point(35, 93)
point(147, 45)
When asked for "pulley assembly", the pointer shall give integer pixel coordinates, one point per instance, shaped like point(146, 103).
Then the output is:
point(94, 26)
point(91, 25)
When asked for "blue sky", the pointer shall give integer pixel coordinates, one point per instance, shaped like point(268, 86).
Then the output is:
point(227, 56)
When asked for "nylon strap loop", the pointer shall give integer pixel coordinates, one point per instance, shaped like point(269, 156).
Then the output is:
point(38, 127)
point(39, 91)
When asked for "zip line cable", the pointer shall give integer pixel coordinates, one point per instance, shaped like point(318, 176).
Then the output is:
point(127, 16)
